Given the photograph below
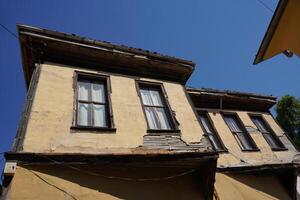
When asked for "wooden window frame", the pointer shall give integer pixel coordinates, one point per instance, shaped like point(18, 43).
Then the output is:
point(224, 149)
point(270, 131)
point(109, 114)
point(242, 126)
point(169, 112)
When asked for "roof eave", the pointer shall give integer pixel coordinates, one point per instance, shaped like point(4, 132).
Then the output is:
point(25, 32)
point(270, 31)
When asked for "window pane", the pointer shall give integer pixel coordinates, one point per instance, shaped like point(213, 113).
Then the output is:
point(205, 123)
point(215, 142)
point(98, 92)
point(232, 124)
point(84, 90)
point(151, 97)
point(99, 116)
point(245, 141)
point(271, 140)
point(162, 119)
point(151, 118)
point(146, 98)
point(260, 124)
point(155, 97)
point(84, 114)
point(210, 132)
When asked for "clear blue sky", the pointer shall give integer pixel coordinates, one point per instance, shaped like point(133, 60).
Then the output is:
point(222, 37)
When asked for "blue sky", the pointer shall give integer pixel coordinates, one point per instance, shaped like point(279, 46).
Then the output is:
point(221, 37)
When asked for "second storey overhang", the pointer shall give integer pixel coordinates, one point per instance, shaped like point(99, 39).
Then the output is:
point(41, 45)
point(230, 100)
point(162, 159)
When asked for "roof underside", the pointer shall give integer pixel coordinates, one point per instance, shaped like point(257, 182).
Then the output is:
point(230, 100)
point(175, 159)
point(41, 45)
point(283, 33)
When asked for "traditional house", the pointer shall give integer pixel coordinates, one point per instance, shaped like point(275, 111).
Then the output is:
point(103, 121)
point(257, 159)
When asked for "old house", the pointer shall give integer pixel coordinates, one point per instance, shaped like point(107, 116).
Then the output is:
point(256, 158)
point(103, 121)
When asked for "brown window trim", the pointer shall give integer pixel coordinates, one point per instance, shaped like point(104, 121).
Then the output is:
point(271, 131)
point(284, 133)
point(171, 115)
point(96, 77)
point(255, 147)
point(224, 149)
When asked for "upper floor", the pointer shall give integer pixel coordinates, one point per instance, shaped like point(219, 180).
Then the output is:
point(241, 127)
point(93, 97)
point(87, 96)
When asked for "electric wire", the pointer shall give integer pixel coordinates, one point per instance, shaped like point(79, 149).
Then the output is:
point(266, 6)
point(51, 184)
point(9, 31)
point(121, 178)
point(15, 36)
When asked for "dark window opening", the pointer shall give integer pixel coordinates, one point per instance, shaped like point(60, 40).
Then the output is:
point(211, 132)
point(268, 134)
point(241, 135)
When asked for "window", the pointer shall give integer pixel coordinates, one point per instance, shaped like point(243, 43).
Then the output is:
point(268, 134)
point(239, 132)
point(156, 108)
point(210, 131)
point(92, 102)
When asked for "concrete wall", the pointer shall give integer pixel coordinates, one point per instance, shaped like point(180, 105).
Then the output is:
point(59, 182)
point(265, 156)
point(52, 113)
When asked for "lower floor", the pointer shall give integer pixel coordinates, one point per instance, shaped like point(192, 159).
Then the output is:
point(239, 186)
point(105, 182)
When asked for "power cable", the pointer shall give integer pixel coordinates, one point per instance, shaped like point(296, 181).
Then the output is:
point(51, 184)
point(266, 6)
point(121, 178)
point(9, 31)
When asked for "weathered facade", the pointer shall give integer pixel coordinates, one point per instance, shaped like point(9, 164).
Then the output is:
point(103, 121)
point(256, 156)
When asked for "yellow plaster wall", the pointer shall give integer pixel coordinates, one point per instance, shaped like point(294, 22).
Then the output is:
point(52, 113)
point(47, 182)
point(287, 34)
point(265, 155)
point(249, 187)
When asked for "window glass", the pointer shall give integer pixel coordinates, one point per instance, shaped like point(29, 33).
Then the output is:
point(269, 136)
point(157, 113)
point(84, 90)
point(98, 93)
point(92, 107)
point(212, 135)
point(99, 116)
point(84, 114)
point(244, 139)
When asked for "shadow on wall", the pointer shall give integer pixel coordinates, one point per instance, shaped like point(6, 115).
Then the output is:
point(267, 185)
point(85, 186)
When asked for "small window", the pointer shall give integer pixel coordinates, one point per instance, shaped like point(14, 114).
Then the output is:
point(268, 134)
point(241, 135)
point(211, 132)
point(156, 108)
point(92, 102)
